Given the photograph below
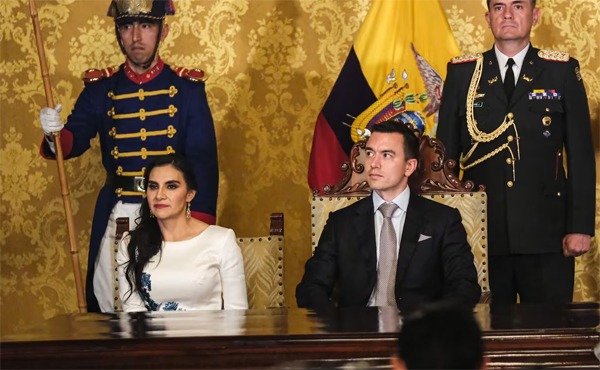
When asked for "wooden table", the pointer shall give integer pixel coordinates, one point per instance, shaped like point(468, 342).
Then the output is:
point(514, 336)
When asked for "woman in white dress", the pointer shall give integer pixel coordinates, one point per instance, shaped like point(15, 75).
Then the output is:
point(172, 261)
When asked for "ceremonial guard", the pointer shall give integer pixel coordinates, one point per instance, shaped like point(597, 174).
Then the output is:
point(141, 109)
point(508, 117)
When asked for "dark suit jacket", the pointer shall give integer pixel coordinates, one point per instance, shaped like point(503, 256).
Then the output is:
point(343, 270)
point(543, 204)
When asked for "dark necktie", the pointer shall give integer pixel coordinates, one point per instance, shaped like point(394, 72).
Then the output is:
point(509, 78)
point(386, 273)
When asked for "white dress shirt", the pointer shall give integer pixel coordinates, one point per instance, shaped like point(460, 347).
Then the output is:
point(519, 58)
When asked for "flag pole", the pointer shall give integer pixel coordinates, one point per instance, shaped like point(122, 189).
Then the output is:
point(60, 164)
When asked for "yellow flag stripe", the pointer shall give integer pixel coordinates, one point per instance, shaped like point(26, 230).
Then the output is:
point(383, 44)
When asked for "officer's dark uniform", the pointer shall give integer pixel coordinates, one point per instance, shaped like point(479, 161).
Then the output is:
point(140, 117)
point(533, 204)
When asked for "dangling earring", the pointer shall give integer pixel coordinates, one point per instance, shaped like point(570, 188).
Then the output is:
point(188, 211)
point(152, 215)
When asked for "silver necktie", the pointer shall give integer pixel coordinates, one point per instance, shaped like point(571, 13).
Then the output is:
point(388, 259)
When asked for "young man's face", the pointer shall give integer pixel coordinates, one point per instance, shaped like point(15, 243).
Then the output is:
point(387, 168)
point(139, 40)
point(511, 20)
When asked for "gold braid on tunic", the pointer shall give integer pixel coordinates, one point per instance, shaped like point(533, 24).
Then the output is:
point(478, 136)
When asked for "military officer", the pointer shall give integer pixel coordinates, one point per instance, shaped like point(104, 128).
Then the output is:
point(509, 116)
point(141, 109)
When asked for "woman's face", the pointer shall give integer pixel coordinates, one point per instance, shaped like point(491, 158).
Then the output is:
point(167, 193)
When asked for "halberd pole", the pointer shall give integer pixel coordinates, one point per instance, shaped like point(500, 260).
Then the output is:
point(64, 186)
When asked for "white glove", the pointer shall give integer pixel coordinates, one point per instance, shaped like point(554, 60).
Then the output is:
point(50, 119)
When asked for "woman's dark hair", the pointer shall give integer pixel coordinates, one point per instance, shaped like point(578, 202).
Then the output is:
point(146, 239)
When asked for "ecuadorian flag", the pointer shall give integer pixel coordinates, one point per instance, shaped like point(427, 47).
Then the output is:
point(395, 69)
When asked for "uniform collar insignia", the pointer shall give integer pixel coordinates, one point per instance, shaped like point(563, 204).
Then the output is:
point(146, 76)
point(527, 78)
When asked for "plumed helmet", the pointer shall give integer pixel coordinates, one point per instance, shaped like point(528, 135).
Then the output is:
point(127, 11)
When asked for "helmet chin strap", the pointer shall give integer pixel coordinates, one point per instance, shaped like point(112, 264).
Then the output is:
point(147, 63)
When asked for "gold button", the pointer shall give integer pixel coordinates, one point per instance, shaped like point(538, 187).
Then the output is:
point(546, 121)
point(509, 184)
point(510, 115)
point(547, 109)
point(508, 161)
point(510, 138)
point(558, 194)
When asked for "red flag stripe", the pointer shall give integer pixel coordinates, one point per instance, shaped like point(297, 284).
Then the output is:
point(326, 156)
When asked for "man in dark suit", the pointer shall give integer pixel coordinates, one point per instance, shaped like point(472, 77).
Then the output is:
point(506, 117)
point(428, 258)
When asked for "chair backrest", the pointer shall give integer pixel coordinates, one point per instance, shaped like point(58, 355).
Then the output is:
point(263, 265)
point(433, 179)
point(473, 210)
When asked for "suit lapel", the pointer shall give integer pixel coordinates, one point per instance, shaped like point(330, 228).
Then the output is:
point(530, 71)
point(413, 224)
point(364, 226)
point(491, 80)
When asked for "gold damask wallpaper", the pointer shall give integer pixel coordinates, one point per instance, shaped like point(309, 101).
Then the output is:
point(271, 65)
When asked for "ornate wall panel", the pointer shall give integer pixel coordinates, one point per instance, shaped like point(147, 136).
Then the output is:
point(271, 64)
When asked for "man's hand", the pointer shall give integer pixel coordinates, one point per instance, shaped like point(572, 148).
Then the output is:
point(576, 244)
point(50, 119)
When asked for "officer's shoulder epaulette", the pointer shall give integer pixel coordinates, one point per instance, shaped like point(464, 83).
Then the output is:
point(466, 58)
point(94, 75)
point(554, 55)
point(192, 74)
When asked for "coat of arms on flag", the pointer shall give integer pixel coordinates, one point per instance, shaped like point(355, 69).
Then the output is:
point(393, 71)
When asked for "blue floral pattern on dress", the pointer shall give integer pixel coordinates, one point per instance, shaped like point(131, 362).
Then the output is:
point(145, 293)
point(150, 304)
point(170, 306)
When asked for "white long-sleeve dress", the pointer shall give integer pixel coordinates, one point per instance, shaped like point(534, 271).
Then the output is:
point(202, 273)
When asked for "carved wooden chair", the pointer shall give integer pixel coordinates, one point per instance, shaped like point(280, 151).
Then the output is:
point(433, 179)
point(263, 264)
